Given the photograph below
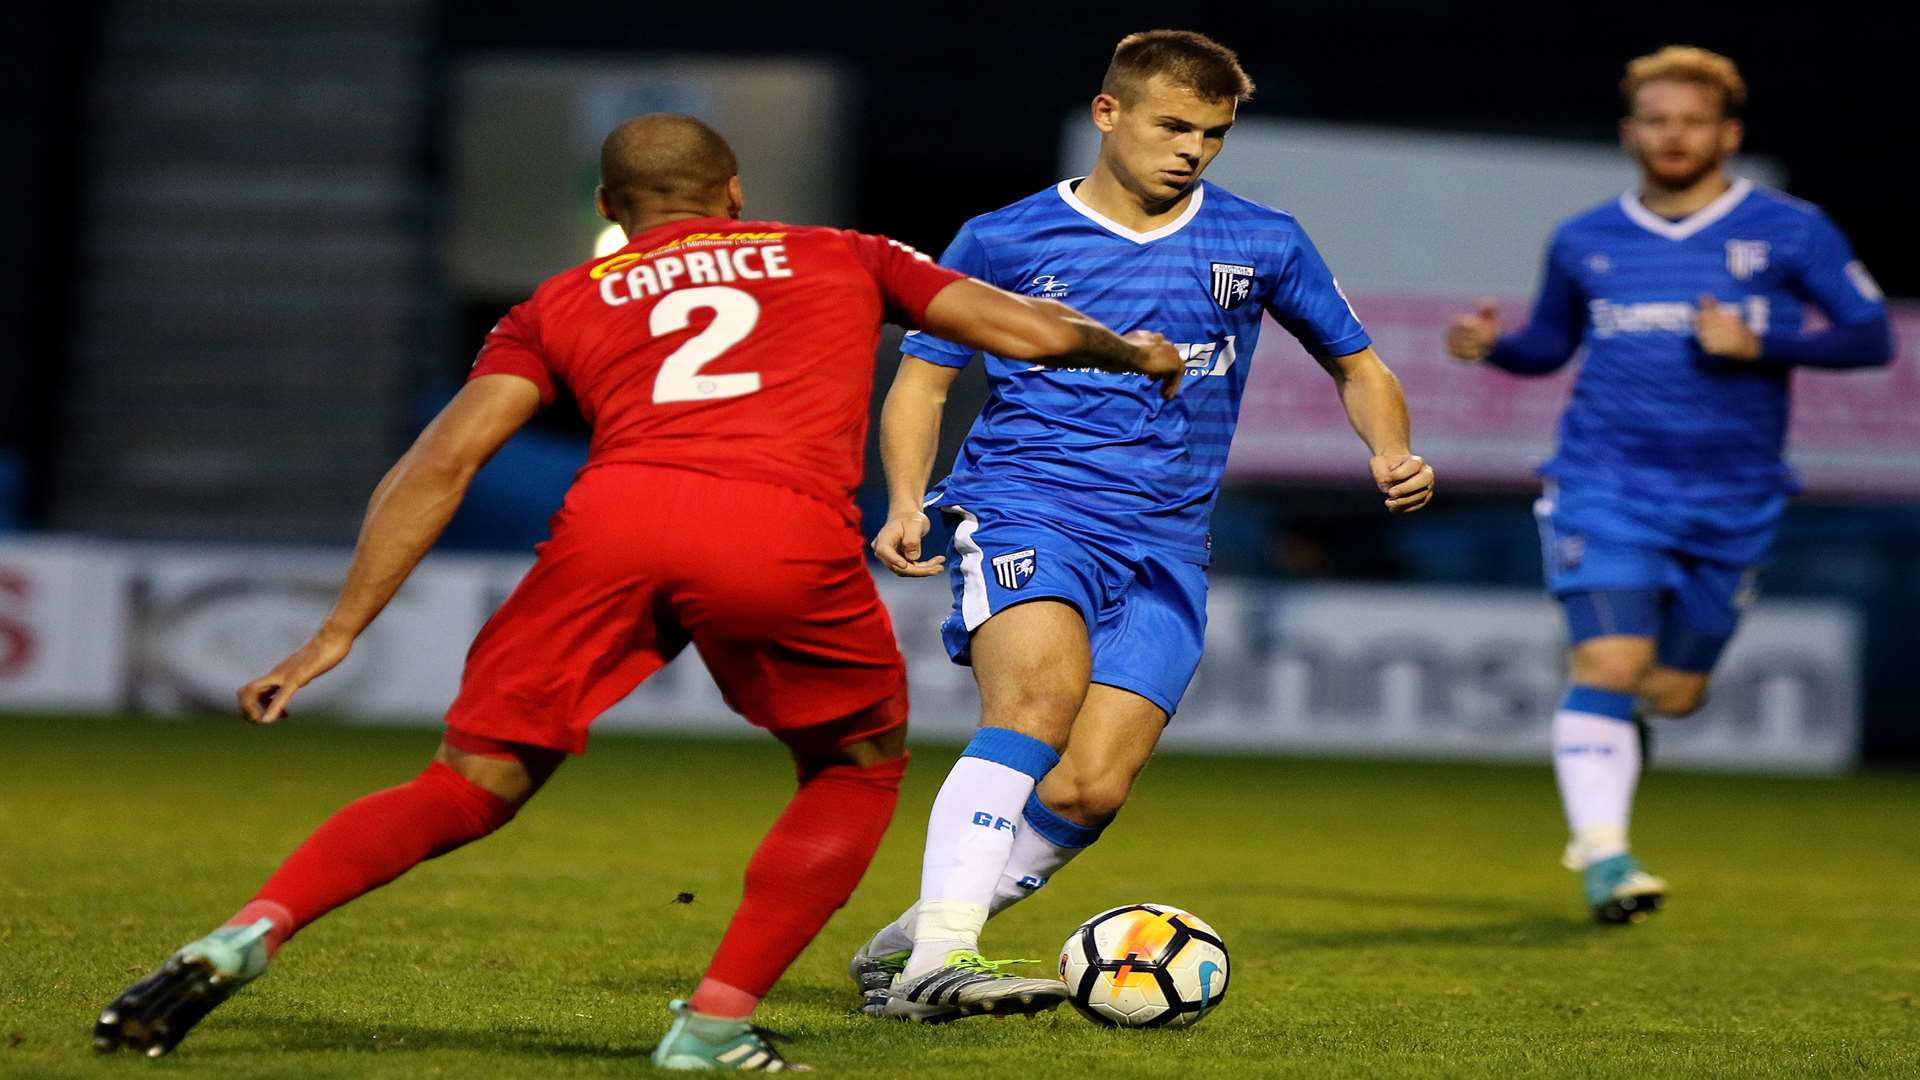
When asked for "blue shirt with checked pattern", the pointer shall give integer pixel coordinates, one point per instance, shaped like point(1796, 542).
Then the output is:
point(1101, 450)
point(1652, 415)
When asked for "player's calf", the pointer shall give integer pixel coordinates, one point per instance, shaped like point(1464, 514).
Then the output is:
point(1670, 692)
point(810, 861)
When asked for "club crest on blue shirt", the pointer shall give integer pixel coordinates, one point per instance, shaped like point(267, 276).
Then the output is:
point(1232, 284)
point(1746, 258)
point(1015, 568)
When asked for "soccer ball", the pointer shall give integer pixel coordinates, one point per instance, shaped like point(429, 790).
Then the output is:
point(1145, 965)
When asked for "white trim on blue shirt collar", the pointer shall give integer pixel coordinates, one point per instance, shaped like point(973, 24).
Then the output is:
point(1067, 196)
point(1687, 226)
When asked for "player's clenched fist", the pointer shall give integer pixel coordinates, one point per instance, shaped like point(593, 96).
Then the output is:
point(1723, 333)
point(898, 546)
point(1157, 358)
point(1471, 337)
point(1405, 479)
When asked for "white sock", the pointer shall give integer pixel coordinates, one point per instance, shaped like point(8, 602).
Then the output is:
point(940, 927)
point(1044, 843)
point(896, 936)
point(1032, 863)
point(1596, 759)
point(970, 835)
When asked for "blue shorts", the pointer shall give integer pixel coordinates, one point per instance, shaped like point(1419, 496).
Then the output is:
point(1690, 605)
point(1146, 613)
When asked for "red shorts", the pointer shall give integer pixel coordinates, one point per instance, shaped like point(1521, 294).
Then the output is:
point(771, 587)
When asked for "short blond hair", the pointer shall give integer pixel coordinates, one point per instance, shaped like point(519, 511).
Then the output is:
point(1688, 63)
point(1192, 61)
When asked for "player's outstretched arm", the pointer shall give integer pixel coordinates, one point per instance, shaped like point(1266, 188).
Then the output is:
point(1541, 347)
point(1378, 411)
point(1047, 332)
point(1472, 336)
point(1544, 344)
point(408, 510)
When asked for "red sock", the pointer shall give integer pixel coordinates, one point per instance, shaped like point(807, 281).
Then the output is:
point(802, 873)
point(371, 841)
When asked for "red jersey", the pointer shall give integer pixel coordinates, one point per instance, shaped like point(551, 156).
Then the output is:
point(736, 348)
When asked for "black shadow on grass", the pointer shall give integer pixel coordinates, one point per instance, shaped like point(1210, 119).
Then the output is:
point(1523, 928)
point(1529, 931)
point(830, 995)
point(1424, 901)
point(289, 1032)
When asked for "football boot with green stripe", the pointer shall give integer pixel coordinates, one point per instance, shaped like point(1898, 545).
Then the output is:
point(968, 984)
point(874, 973)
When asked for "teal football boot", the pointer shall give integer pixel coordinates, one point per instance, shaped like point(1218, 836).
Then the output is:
point(697, 1043)
point(1619, 892)
point(153, 1015)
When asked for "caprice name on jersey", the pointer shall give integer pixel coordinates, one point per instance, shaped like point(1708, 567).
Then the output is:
point(1665, 316)
point(1203, 358)
point(664, 273)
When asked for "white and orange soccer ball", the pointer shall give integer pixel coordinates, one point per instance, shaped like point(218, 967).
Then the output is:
point(1145, 965)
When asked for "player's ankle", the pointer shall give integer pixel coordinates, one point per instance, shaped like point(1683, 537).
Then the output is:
point(718, 1001)
point(932, 953)
point(714, 1029)
point(275, 913)
point(1597, 842)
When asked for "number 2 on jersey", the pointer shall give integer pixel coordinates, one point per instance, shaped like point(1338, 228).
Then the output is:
point(735, 313)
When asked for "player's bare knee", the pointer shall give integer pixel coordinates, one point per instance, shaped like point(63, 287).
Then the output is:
point(1607, 667)
point(1040, 712)
point(503, 780)
point(1084, 798)
point(891, 743)
point(510, 776)
point(1684, 704)
point(1032, 664)
point(865, 752)
point(1039, 698)
point(1677, 699)
point(872, 736)
point(1100, 798)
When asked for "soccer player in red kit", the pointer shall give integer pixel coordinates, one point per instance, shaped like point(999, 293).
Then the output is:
point(725, 367)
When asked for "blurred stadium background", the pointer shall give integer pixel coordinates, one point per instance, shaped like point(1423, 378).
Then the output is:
point(254, 245)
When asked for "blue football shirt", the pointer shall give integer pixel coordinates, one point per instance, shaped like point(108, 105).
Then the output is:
point(1652, 416)
point(1102, 451)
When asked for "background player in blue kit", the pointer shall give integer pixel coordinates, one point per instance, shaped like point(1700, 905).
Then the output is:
point(1669, 483)
point(1081, 500)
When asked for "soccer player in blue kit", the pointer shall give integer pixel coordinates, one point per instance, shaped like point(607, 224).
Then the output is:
point(1669, 484)
point(1081, 501)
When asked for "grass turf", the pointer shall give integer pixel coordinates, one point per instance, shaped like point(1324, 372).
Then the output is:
point(1385, 919)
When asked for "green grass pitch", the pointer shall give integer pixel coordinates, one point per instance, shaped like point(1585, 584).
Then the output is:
point(1385, 919)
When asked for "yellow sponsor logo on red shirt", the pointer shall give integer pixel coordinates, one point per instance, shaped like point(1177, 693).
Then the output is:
point(621, 261)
